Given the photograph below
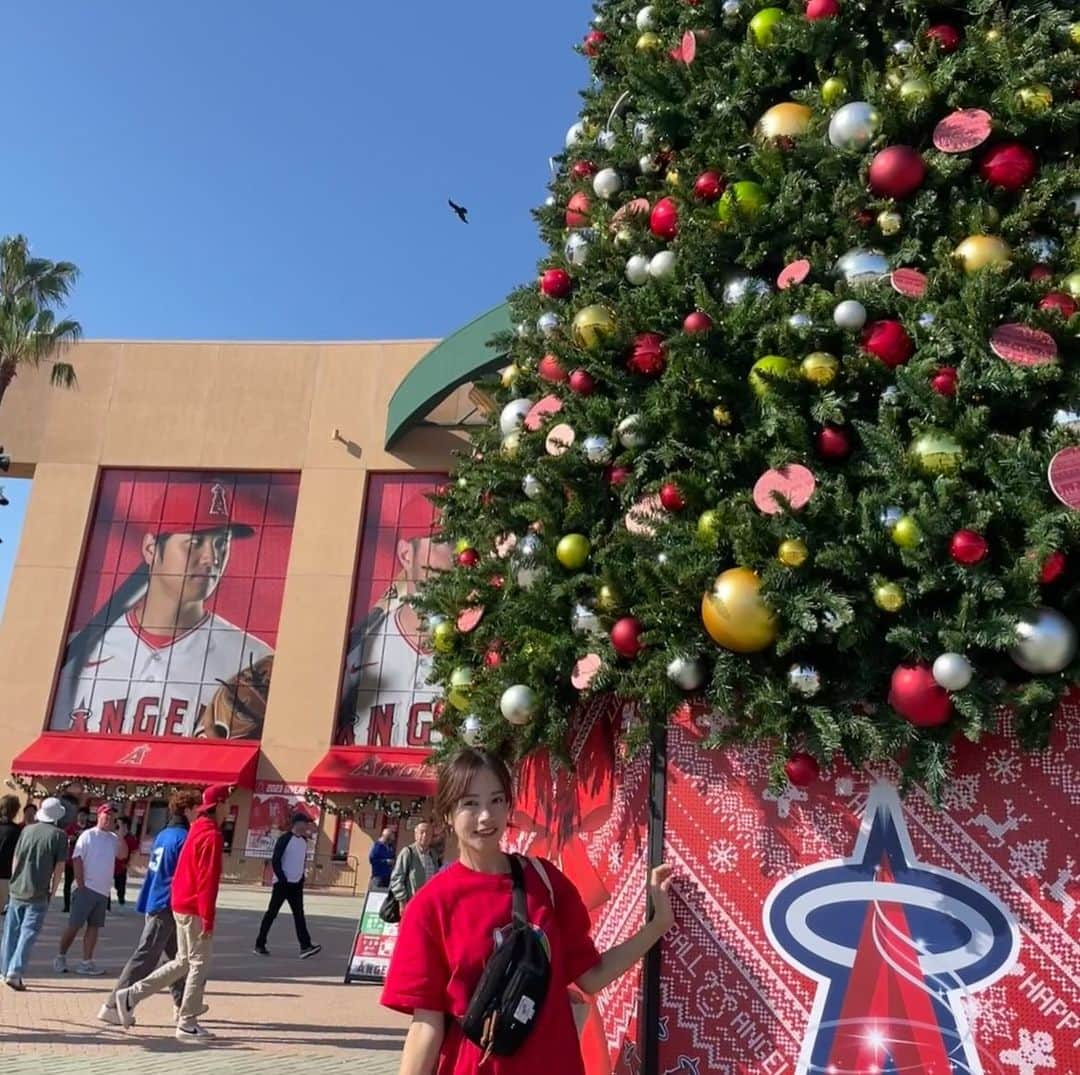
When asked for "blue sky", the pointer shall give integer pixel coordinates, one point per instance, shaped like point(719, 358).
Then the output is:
point(263, 169)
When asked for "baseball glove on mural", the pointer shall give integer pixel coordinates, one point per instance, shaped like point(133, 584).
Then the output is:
point(238, 708)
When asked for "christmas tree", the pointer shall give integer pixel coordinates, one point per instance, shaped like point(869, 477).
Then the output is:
point(789, 417)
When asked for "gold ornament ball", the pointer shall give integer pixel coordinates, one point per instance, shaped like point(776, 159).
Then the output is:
point(509, 375)
point(460, 690)
point(608, 598)
point(721, 415)
point(673, 179)
point(510, 444)
point(648, 41)
point(889, 597)
point(833, 90)
point(786, 120)
point(1074, 34)
point(1071, 284)
point(906, 533)
point(982, 251)
point(774, 367)
point(1036, 98)
point(889, 222)
point(764, 26)
point(915, 90)
point(820, 368)
point(461, 545)
point(792, 552)
point(444, 636)
point(593, 326)
point(735, 615)
point(936, 452)
point(708, 526)
point(993, 35)
point(572, 551)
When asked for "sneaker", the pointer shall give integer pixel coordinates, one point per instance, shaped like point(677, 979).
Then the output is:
point(89, 967)
point(192, 1033)
point(110, 1015)
point(261, 950)
point(59, 964)
point(311, 950)
point(125, 1007)
point(203, 1009)
point(16, 984)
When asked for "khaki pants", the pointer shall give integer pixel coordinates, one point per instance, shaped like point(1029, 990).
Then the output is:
point(191, 962)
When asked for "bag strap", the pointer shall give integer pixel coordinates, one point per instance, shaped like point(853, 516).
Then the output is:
point(538, 866)
point(517, 877)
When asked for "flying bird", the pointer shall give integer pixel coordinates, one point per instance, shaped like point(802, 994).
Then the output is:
point(462, 212)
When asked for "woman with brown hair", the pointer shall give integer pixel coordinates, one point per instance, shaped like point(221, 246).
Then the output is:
point(9, 837)
point(461, 916)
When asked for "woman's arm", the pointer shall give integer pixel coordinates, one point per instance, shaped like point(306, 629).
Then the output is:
point(616, 961)
point(422, 1043)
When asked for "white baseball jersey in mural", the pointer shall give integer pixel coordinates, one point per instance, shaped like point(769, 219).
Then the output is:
point(138, 683)
point(388, 671)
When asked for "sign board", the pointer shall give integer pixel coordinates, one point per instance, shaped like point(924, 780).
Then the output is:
point(373, 945)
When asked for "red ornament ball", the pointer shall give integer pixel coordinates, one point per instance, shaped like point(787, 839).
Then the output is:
point(708, 186)
point(617, 476)
point(822, 9)
point(697, 321)
point(1058, 300)
point(551, 369)
point(582, 169)
point(647, 356)
point(947, 37)
point(897, 172)
point(968, 547)
point(1038, 273)
point(493, 656)
point(889, 342)
point(1009, 166)
point(555, 283)
point(1053, 568)
point(626, 637)
point(438, 709)
point(577, 210)
point(582, 382)
point(664, 219)
point(671, 497)
point(802, 769)
point(593, 41)
point(917, 697)
point(468, 558)
point(944, 382)
point(834, 443)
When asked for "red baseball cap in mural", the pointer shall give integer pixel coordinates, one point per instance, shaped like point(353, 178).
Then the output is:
point(190, 507)
point(216, 793)
point(418, 518)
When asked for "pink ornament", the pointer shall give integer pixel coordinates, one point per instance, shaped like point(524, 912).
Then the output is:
point(582, 382)
point(582, 169)
point(617, 476)
point(577, 210)
point(834, 443)
point(697, 321)
point(594, 39)
point(822, 9)
point(1061, 302)
point(551, 369)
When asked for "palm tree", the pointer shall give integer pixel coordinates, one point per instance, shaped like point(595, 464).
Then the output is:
point(31, 289)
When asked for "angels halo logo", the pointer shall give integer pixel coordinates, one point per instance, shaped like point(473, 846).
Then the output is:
point(895, 946)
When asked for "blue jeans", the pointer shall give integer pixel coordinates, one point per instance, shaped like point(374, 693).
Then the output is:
point(22, 924)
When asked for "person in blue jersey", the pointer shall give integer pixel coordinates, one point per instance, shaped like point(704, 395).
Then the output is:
point(159, 930)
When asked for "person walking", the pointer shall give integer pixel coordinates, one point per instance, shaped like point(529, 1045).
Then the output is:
point(381, 859)
point(74, 830)
point(9, 837)
point(37, 867)
point(29, 814)
point(94, 860)
point(288, 862)
point(159, 927)
point(127, 847)
point(455, 923)
point(415, 866)
point(193, 900)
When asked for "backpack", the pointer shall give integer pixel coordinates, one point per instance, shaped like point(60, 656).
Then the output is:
point(511, 991)
point(390, 911)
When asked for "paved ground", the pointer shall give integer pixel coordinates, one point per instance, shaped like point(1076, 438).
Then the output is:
point(267, 1013)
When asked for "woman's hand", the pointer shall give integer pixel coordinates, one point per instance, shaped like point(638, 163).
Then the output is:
point(660, 894)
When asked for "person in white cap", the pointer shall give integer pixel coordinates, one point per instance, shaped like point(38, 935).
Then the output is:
point(36, 871)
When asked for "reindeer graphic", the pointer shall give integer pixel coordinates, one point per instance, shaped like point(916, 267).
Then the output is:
point(998, 830)
point(1057, 890)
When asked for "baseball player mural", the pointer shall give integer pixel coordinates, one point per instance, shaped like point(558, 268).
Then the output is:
point(385, 697)
point(178, 606)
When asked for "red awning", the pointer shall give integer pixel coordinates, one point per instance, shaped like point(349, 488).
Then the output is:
point(373, 770)
point(106, 757)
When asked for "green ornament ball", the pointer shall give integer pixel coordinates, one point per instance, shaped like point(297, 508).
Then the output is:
point(906, 532)
point(573, 551)
point(743, 199)
point(833, 90)
point(936, 452)
point(460, 689)
point(708, 526)
point(765, 25)
point(765, 371)
point(444, 636)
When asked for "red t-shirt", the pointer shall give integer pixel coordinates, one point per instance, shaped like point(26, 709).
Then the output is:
point(446, 935)
point(132, 845)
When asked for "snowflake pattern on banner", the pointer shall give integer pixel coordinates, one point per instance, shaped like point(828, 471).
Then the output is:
point(1036, 1050)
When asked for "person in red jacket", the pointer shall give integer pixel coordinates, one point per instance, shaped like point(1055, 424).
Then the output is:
point(193, 901)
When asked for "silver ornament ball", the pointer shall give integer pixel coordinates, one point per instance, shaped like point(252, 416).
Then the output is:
point(550, 201)
point(854, 125)
point(644, 133)
point(1045, 642)
point(518, 703)
point(548, 324)
point(662, 265)
point(597, 448)
point(513, 414)
point(687, 673)
point(952, 671)
point(606, 138)
point(528, 548)
point(607, 183)
point(804, 679)
point(890, 516)
point(637, 269)
point(927, 319)
point(470, 729)
point(532, 487)
point(578, 246)
point(648, 164)
point(730, 9)
point(1067, 419)
point(800, 322)
point(1042, 247)
point(630, 433)
point(575, 134)
point(646, 18)
point(850, 315)
point(903, 47)
point(584, 621)
point(740, 286)
point(862, 266)
point(521, 329)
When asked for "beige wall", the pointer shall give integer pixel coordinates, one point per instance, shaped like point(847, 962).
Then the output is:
point(270, 406)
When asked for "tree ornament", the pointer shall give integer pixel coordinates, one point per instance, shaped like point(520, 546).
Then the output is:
point(551, 369)
point(608, 598)
point(915, 91)
point(509, 375)
point(945, 381)
point(1045, 642)
point(743, 200)
point(821, 9)
point(889, 597)
point(577, 210)
point(740, 287)
point(630, 432)
point(671, 497)
point(819, 368)
point(597, 448)
point(532, 487)
point(952, 671)
point(801, 768)
point(444, 636)
point(687, 673)
point(582, 169)
point(1071, 284)
point(626, 637)
point(833, 89)
point(850, 315)
point(592, 327)
point(460, 689)
point(1009, 166)
point(945, 36)
point(708, 526)
point(645, 19)
point(833, 443)
point(1053, 568)
point(897, 172)
point(890, 516)
point(854, 126)
point(468, 558)
point(697, 321)
point(889, 342)
point(519, 704)
point(765, 25)
point(982, 251)
point(968, 547)
point(792, 552)
point(708, 186)
point(548, 324)
point(616, 476)
point(513, 414)
point(647, 356)
point(1060, 302)
point(936, 452)
point(584, 621)
point(889, 222)
point(784, 121)
point(766, 371)
point(664, 219)
point(734, 614)
point(662, 265)
point(582, 383)
point(637, 269)
point(648, 41)
point(470, 730)
point(578, 246)
point(906, 533)
point(917, 697)
point(804, 679)
point(594, 41)
point(572, 551)
point(860, 266)
point(607, 183)
point(1035, 99)
point(721, 415)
